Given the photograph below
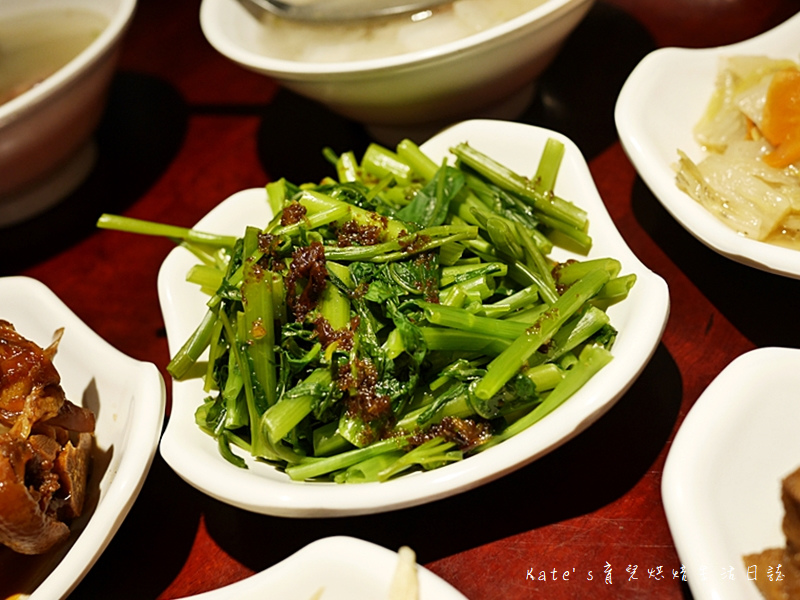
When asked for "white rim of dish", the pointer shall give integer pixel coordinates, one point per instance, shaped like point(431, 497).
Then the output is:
point(88, 56)
point(543, 13)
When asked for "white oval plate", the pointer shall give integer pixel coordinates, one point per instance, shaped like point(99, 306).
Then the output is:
point(659, 105)
point(640, 320)
point(722, 479)
point(128, 398)
point(345, 568)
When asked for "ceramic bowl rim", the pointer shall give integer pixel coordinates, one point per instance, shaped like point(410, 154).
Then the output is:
point(538, 16)
point(55, 83)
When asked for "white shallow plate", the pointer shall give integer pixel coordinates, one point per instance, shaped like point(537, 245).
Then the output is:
point(659, 105)
point(345, 568)
point(640, 321)
point(722, 478)
point(128, 398)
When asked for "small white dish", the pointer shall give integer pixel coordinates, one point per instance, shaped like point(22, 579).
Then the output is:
point(345, 568)
point(640, 320)
point(722, 479)
point(659, 105)
point(128, 398)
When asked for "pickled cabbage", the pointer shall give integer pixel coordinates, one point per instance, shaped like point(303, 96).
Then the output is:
point(749, 177)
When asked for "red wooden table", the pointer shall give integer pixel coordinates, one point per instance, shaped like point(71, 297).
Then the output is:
point(185, 128)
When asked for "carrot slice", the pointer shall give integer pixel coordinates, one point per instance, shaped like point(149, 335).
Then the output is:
point(781, 122)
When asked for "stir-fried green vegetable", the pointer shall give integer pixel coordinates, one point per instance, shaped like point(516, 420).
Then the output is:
point(398, 317)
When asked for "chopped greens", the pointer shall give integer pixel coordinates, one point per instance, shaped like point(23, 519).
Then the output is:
point(398, 317)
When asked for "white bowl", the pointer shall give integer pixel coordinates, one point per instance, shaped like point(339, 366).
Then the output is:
point(128, 398)
point(440, 85)
point(261, 488)
point(346, 568)
point(45, 131)
point(659, 105)
point(722, 478)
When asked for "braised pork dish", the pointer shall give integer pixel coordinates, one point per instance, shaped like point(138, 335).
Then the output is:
point(777, 570)
point(45, 445)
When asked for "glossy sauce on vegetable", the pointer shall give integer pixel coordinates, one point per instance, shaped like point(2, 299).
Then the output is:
point(293, 213)
point(359, 379)
point(351, 233)
point(466, 433)
point(307, 268)
point(327, 335)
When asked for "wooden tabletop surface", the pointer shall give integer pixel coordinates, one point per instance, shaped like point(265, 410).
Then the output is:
point(185, 128)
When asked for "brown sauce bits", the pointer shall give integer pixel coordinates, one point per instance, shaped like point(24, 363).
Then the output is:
point(327, 335)
point(429, 287)
point(293, 212)
point(307, 270)
point(353, 233)
point(359, 379)
point(415, 244)
point(466, 433)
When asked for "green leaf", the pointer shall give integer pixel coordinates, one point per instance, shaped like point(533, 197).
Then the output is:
point(432, 203)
